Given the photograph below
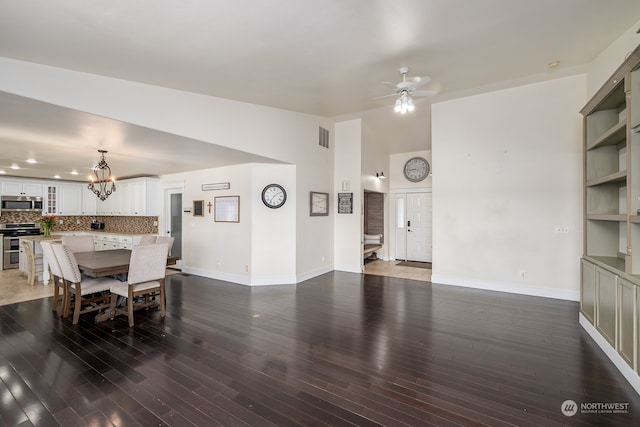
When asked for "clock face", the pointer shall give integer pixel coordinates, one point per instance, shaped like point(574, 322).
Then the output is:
point(274, 196)
point(416, 169)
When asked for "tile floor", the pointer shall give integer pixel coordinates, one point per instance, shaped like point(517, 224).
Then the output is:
point(14, 288)
point(392, 269)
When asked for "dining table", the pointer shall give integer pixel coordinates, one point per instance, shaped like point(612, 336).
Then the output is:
point(108, 262)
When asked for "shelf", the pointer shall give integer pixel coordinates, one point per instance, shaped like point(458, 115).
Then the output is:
point(608, 217)
point(614, 136)
point(613, 262)
point(620, 176)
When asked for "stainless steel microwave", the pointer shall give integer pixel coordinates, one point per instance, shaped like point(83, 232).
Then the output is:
point(22, 203)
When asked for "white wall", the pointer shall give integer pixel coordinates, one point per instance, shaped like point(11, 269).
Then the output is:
point(605, 64)
point(508, 170)
point(278, 134)
point(348, 227)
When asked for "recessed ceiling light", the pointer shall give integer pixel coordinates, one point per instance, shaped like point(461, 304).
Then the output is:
point(554, 64)
point(14, 166)
point(2, 172)
point(74, 172)
point(56, 176)
point(32, 161)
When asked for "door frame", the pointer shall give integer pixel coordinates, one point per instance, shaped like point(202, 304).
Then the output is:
point(392, 251)
point(168, 189)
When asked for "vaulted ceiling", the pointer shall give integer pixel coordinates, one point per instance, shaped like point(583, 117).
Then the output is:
point(326, 57)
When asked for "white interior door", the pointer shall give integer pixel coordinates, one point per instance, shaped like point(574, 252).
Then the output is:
point(419, 235)
point(173, 222)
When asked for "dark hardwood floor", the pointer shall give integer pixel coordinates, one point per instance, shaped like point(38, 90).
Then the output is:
point(340, 349)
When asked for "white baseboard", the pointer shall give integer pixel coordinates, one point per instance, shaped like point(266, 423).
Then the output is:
point(611, 353)
point(311, 274)
point(349, 269)
point(563, 294)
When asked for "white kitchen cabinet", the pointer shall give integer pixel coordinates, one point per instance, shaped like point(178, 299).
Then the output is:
point(16, 188)
point(69, 199)
point(89, 201)
point(133, 197)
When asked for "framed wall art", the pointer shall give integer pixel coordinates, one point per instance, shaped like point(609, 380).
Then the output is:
point(318, 204)
point(226, 209)
point(198, 208)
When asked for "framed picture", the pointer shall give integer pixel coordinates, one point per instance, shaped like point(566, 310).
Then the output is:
point(345, 203)
point(318, 204)
point(227, 209)
point(198, 208)
point(216, 186)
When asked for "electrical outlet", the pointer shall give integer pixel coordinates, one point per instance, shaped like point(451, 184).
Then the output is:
point(77, 221)
point(155, 223)
point(246, 268)
point(60, 221)
point(523, 274)
point(563, 229)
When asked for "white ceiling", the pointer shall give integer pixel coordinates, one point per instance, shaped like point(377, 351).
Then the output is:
point(323, 57)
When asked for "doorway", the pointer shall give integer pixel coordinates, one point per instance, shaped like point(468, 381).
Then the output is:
point(413, 231)
point(173, 222)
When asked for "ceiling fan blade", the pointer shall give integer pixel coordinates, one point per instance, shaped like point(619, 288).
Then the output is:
point(418, 82)
point(393, 85)
point(424, 92)
point(386, 96)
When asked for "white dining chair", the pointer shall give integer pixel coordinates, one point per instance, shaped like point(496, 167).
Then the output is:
point(57, 277)
point(33, 262)
point(146, 277)
point(147, 240)
point(85, 293)
point(82, 243)
point(166, 239)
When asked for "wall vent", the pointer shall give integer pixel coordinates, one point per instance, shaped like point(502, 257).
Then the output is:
point(323, 137)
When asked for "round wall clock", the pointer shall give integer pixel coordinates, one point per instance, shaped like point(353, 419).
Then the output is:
point(416, 169)
point(274, 196)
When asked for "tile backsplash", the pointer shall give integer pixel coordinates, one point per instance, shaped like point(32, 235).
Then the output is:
point(114, 224)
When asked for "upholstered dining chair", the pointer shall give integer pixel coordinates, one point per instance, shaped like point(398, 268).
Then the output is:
point(166, 239)
point(147, 240)
point(57, 278)
point(81, 291)
point(146, 277)
point(82, 243)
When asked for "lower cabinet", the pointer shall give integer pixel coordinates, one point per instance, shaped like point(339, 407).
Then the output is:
point(606, 304)
point(610, 300)
point(626, 303)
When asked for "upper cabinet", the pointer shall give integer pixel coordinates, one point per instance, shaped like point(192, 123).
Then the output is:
point(70, 202)
point(15, 188)
point(133, 197)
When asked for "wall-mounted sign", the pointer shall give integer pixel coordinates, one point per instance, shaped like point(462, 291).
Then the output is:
point(216, 186)
point(345, 203)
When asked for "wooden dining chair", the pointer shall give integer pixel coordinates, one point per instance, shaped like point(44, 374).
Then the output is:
point(33, 262)
point(146, 277)
point(83, 243)
point(85, 294)
point(57, 278)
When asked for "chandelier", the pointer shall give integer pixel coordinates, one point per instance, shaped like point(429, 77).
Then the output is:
point(103, 184)
point(404, 103)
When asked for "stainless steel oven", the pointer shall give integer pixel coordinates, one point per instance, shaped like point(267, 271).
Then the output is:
point(11, 234)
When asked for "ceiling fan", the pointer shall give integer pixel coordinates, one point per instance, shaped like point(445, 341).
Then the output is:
point(406, 90)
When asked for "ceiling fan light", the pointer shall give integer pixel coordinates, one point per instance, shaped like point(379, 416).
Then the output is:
point(398, 106)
